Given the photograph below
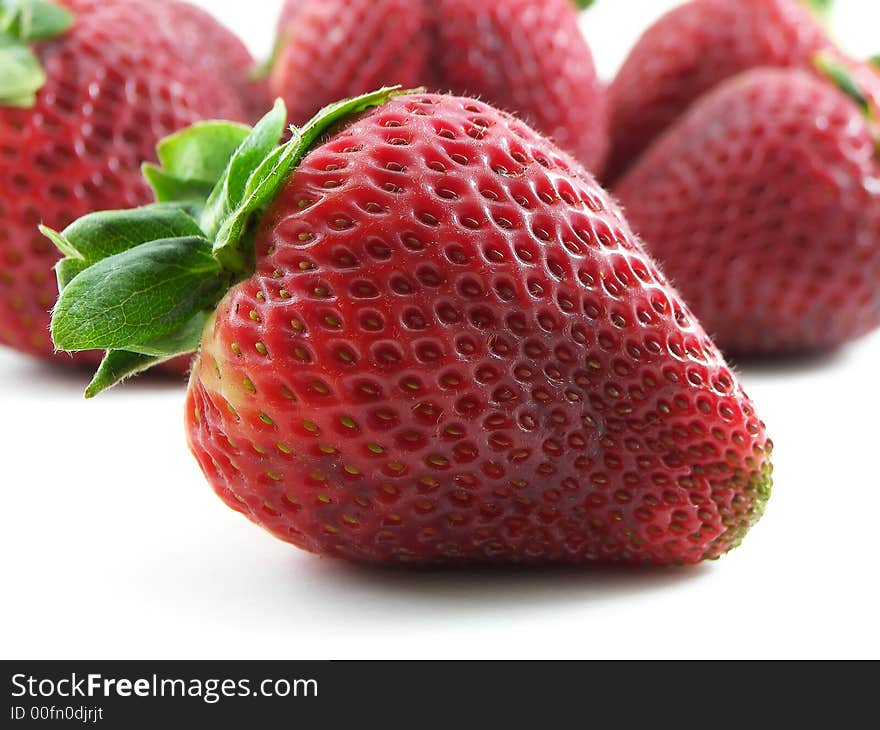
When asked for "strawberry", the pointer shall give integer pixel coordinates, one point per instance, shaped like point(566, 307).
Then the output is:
point(527, 56)
point(83, 101)
point(763, 205)
point(212, 47)
point(430, 337)
point(694, 48)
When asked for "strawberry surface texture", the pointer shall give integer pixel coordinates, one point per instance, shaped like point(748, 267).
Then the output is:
point(694, 48)
point(454, 349)
point(763, 206)
point(125, 74)
point(526, 56)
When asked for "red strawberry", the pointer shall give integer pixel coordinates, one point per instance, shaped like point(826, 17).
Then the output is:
point(116, 82)
point(763, 204)
point(527, 56)
point(212, 47)
point(207, 46)
point(694, 48)
point(445, 345)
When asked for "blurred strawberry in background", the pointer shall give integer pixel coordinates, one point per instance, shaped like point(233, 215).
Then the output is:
point(763, 205)
point(87, 90)
point(692, 49)
point(525, 56)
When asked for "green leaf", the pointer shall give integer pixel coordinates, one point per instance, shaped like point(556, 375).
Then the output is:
point(232, 247)
point(60, 242)
point(231, 244)
point(23, 22)
point(168, 188)
point(118, 365)
point(841, 77)
point(99, 235)
point(21, 75)
point(202, 151)
point(331, 115)
point(194, 159)
point(137, 296)
point(66, 270)
point(184, 340)
point(822, 8)
point(37, 20)
point(228, 193)
point(140, 284)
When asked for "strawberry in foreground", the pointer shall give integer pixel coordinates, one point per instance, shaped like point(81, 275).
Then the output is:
point(525, 56)
point(426, 335)
point(763, 206)
point(86, 92)
point(694, 48)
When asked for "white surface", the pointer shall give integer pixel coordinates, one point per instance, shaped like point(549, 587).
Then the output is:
point(113, 546)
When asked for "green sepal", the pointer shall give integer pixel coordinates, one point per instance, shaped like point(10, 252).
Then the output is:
point(192, 161)
point(181, 341)
point(337, 112)
point(822, 9)
point(118, 365)
point(232, 244)
point(246, 195)
point(137, 297)
point(21, 75)
point(140, 284)
point(66, 270)
point(841, 77)
point(29, 21)
point(874, 61)
point(583, 4)
point(23, 22)
point(60, 242)
point(99, 235)
point(227, 196)
point(167, 188)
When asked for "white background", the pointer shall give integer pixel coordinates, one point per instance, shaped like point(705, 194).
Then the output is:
point(113, 546)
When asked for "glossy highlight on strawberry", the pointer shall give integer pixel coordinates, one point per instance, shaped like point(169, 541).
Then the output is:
point(449, 348)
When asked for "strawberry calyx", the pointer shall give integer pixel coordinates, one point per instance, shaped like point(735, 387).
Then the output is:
point(23, 23)
point(837, 72)
point(141, 284)
point(840, 76)
point(583, 4)
point(821, 9)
